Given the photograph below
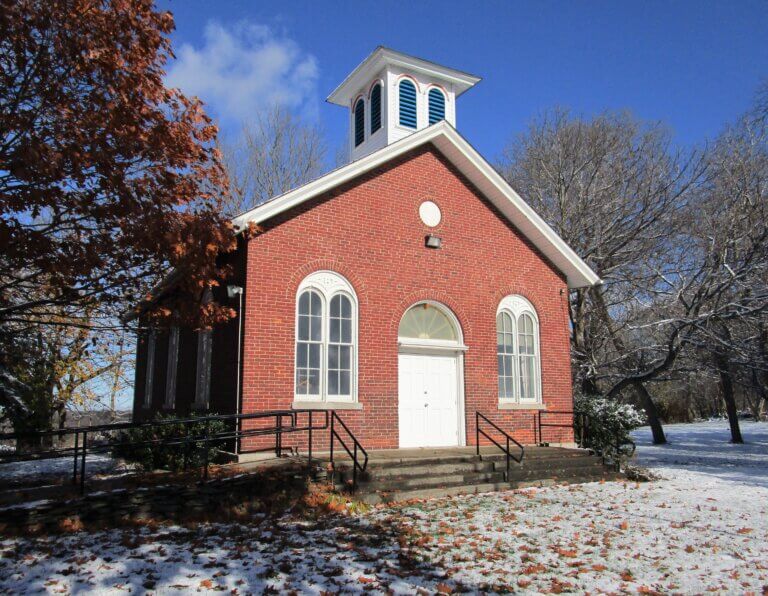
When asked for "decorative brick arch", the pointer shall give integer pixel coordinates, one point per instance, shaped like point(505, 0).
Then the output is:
point(333, 265)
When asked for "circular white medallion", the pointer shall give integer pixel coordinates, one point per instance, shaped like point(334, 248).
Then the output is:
point(429, 213)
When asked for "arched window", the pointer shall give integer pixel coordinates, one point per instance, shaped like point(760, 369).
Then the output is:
point(436, 105)
point(517, 339)
point(407, 104)
point(375, 108)
point(359, 122)
point(426, 321)
point(326, 339)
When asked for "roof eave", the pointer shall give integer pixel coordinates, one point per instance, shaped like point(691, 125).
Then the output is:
point(578, 274)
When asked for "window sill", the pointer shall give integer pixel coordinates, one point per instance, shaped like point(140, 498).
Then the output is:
point(326, 405)
point(518, 406)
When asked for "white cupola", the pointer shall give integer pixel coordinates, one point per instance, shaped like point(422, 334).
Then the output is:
point(391, 95)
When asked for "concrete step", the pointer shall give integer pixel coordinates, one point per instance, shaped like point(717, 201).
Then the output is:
point(468, 489)
point(432, 480)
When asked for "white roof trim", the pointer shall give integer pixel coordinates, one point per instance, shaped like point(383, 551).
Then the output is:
point(382, 56)
point(451, 144)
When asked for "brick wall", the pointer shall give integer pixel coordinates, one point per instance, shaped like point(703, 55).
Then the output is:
point(369, 231)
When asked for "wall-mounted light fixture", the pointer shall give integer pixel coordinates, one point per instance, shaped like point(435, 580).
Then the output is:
point(432, 241)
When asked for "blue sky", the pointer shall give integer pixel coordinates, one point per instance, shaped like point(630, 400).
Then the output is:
point(694, 65)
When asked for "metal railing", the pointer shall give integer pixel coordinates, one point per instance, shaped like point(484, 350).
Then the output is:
point(507, 436)
point(196, 433)
point(581, 423)
point(356, 447)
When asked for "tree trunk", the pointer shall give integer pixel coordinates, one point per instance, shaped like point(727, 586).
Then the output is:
point(726, 385)
point(653, 414)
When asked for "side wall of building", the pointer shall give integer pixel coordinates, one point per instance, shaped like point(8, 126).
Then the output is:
point(224, 359)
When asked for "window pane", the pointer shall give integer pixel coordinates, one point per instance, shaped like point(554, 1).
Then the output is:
point(333, 382)
point(508, 387)
point(345, 357)
point(344, 383)
point(502, 392)
point(346, 331)
point(526, 378)
point(303, 328)
point(314, 382)
point(304, 303)
point(335, 330)
point(336, 306)
point(315, 328)
point(346, 307)
point(301, 355)
point(314, 355)
point(301, 381)
point(333, 357)
point(315, 304)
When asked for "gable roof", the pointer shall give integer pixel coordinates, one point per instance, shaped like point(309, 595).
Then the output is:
point(470, 163)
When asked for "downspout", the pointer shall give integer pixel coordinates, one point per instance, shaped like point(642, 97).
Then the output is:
point(238, 291)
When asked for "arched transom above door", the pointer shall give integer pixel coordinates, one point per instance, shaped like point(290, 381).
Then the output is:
point(429, 324)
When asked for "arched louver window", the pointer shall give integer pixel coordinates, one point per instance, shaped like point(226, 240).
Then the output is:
point(359, 122)
point(375, 109)
point(407, 104)
point(436, 105)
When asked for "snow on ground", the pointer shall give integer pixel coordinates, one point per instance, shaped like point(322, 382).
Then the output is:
point(56, 469)
point(703, 527)
point(703, 449)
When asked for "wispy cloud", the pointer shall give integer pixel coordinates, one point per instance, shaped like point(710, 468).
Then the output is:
point(240, 69)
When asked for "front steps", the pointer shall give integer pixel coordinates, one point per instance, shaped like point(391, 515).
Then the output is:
point(400, 475)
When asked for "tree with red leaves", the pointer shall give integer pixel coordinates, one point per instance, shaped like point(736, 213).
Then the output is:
point(108, 179)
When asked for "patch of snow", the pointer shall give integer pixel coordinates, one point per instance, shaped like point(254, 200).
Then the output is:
point(704, 450)
point(57, 468)
point(691, 532)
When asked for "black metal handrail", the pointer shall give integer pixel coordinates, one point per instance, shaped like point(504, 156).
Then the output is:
point(356, 446)
point(508, 437)
point(82, 446)
point(581, 424)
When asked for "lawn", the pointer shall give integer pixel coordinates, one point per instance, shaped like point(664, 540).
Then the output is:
point(703, 526)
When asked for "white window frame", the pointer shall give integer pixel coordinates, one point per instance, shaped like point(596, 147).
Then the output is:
point(327, 284)
point(149, 369)
point(172, 369)
point(516, 306)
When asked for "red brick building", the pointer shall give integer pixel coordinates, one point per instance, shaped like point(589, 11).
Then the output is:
point(409, 288)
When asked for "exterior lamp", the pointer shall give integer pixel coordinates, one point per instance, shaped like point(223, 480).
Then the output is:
point(432, 241)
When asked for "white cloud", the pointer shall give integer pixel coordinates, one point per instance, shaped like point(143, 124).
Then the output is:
point(243, 68)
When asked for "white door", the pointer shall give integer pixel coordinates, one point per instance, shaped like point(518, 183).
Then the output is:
point(428, 401)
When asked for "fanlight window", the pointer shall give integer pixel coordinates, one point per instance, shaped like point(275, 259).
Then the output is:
point(517, 351)
point(426, 321)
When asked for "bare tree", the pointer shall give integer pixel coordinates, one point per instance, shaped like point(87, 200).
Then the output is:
point(275, 153)
point(610, 187)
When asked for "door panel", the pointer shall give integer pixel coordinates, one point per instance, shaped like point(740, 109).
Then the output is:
point(428, 401)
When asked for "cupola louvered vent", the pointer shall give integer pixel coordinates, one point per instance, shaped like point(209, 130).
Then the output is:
point(436, 105)
point(407, 104)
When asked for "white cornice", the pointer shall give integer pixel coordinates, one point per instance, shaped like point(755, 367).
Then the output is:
point(381, 57)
